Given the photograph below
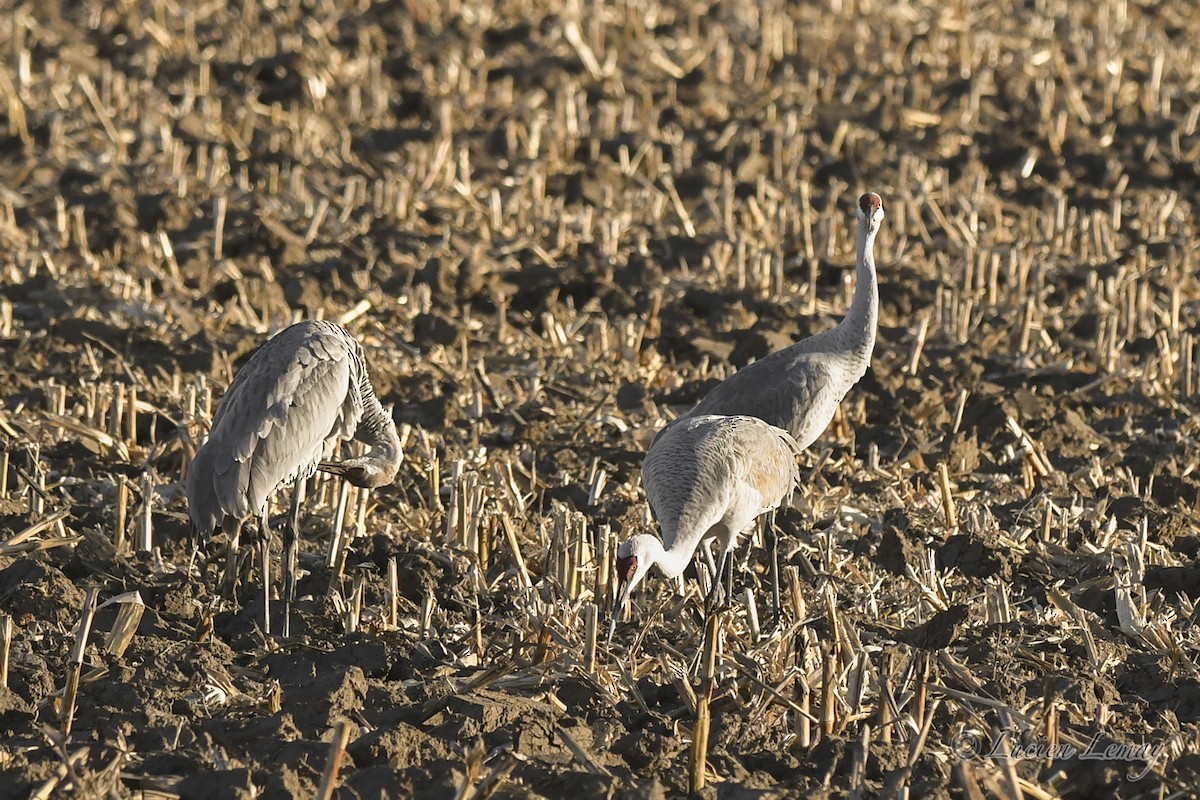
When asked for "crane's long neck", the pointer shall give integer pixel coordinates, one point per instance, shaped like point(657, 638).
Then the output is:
point(672, 561)
point(857, 329)
point(377, 429)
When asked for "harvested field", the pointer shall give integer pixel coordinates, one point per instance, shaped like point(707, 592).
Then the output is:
point(554, 227)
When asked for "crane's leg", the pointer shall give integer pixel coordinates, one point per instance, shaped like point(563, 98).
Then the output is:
point(291, 540)
point(200, 552)
point(706, 552)
point(728, 558)
point(231, 556)
point(723, 565)
point(771, 529)
point(265, 554)
point(192, 559)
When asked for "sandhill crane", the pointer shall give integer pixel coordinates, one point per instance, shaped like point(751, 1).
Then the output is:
point(799, 387)
point(706, 477)
point(300, 393)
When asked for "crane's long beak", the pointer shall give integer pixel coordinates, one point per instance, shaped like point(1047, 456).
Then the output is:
point(618, 607)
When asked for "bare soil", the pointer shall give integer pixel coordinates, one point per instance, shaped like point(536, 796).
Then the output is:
point(554, 226)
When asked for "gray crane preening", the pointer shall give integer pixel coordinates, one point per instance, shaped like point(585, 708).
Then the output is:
point(799, 387)
point(301, 392)
point(706, 477)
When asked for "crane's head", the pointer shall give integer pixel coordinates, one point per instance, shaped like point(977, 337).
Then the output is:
point(362, 472)
point(634, 558)
point(870, 211)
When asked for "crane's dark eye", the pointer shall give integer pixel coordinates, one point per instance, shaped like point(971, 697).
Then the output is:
point(626, 567)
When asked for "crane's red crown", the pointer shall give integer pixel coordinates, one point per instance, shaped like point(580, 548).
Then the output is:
point(626, 567)
point(870, 203)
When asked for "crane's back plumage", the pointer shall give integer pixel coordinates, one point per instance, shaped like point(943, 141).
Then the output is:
point(300, 393)
point(807, 384)
point(713, 475)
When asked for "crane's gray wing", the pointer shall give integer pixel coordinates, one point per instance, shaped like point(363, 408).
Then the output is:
point(790, 390)
point(203, 509)
point(766, 460)
point(698, 468)
point(682, 479)
point(272, 425)
point(756, 454)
